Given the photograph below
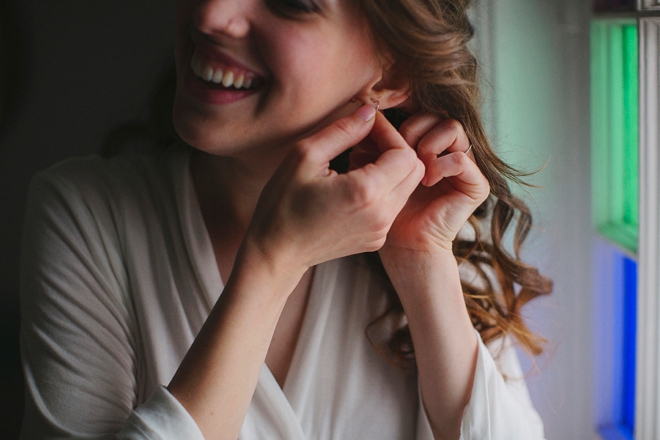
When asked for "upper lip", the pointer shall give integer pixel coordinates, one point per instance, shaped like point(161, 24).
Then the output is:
point(210, 52)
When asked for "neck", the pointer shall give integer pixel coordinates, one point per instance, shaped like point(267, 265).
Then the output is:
point(227, 190)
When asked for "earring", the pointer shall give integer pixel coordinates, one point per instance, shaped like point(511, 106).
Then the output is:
point(376, 103)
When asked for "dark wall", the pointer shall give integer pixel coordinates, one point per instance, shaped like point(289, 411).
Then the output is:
point(70, 71)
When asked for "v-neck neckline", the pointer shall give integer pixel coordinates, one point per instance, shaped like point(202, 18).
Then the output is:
point(297, 385)
point(298, 351)
point(300, 379)
point(282, 399)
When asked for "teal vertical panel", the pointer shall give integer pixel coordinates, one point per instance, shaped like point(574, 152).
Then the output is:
point(614, 128)
point(615, 110)
point(631, 125)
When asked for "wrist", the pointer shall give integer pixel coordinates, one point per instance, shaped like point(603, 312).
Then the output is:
point(409, 260)
point(422, 274)
point(275, 271)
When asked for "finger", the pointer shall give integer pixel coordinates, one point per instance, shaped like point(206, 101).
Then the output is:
point(468, 177)
point(385, 135)
point(339, 136)
point(389, 169)
point(447, 137)
point(417, 126)
point(394, 164)
point(406, 187)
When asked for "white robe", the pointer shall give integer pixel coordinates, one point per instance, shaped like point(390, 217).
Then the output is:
point(118, 276)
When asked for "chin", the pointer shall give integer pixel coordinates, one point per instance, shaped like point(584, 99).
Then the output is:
point(197, 130)
point(212, 137)
point(186, 129)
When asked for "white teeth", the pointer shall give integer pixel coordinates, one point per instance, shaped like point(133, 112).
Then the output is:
point(217, 76)
point(228, 79)
point(196, 65)
point(207, 73)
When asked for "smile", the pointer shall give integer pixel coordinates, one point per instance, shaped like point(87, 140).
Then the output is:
point(214, 71)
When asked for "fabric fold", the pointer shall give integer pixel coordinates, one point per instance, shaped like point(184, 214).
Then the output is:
point(113, 296)
point(160, 417)
point(270, 415)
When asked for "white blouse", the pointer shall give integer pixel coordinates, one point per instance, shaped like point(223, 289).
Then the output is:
point(117, 277)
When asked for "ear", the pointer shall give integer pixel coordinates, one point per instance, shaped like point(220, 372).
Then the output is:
point(390, 90)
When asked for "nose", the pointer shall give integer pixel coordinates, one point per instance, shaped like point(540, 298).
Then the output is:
point(223, 17)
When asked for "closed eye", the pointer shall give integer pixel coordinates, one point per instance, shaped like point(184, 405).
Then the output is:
point(292, 8)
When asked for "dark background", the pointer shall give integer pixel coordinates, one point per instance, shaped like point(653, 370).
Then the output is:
point(70, 72)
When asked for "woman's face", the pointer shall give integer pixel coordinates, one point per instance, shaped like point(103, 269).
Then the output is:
point(257, 74)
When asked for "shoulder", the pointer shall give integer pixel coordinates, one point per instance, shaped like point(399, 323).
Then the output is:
point(93, 204)
point(94, 175)
point(85, 217)
point(103, 187)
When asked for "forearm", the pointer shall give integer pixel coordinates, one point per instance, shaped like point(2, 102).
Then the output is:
point(216, 380)
point(442, 333)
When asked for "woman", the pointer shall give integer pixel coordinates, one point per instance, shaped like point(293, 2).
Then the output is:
point(124, 260)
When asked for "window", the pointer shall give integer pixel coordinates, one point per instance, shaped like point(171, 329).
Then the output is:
point(615, 127)
point(625, 71)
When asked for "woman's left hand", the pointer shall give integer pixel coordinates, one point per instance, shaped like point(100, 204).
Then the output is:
point(419, 261)
point(452, 187)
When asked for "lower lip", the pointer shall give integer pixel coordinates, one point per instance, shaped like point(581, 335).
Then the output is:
point(206, 93)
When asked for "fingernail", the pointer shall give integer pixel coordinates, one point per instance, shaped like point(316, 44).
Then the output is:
point(366, 112)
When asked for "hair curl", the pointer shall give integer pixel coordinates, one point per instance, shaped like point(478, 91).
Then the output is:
point(428, 41)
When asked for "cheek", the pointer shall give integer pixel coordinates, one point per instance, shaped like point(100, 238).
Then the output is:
point(322, 69)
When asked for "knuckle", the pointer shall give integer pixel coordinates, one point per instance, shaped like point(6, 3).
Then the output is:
point(486, 190)
point(363, 194)
point(409, 155)
point(458, 158)
point(465, 160)
point(414, 164)
point(407, 131)
point(302, 150)
point(425, 147)
point(376, 244)
point(308, 151)
point(454, 126)
point(371, 247)
point(382, 223)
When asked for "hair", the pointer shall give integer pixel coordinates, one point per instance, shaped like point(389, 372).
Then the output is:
point(428, 39)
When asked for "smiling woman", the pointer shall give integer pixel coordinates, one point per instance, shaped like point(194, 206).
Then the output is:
point(223, 288)
point(308, 64)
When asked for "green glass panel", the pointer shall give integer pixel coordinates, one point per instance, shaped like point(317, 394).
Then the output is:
point(615, 130)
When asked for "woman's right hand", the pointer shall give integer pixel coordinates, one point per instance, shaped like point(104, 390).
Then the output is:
point(308, 214)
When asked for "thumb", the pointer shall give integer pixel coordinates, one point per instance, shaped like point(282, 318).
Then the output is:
point(386, 136)
point(341, 135)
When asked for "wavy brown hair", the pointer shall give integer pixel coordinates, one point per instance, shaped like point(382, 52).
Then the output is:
point(428, 41)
